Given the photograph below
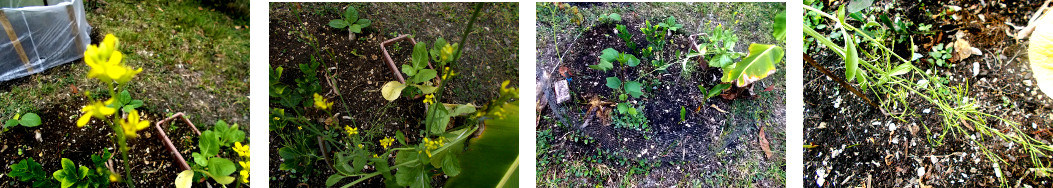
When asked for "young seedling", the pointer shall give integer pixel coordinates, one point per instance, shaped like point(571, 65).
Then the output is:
point(351, 21)
point(28, 120)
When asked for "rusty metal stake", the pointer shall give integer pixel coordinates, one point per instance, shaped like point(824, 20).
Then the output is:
point(168, 142)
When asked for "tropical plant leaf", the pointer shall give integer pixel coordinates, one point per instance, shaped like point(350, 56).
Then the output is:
point(779, 27)
point(759, 64)
point(492, 157)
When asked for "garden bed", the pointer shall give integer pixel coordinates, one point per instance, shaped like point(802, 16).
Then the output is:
point(714, 142)
point(855, 144)
point(359, 69)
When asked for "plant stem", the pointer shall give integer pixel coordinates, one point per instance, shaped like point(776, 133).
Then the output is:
point(457, 55)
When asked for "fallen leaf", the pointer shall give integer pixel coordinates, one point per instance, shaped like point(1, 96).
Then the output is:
point(718, 108)
point(769, 88)
point(962, 48)
point(764, 143)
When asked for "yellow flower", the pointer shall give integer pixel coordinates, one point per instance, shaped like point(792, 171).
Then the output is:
point(375, 156)
point(447, 53)
point(242, 150)
point(114, 177)
point(386, 142)
point(447, 73)
point(429, 99)
point(359, 146)
point(321, 103)
point(350, 130)
point(133, 124)
point(299, 127)
point(105, 62)
point(433, 144)
point(276, 118)
point(244, 175)
point(95, 109)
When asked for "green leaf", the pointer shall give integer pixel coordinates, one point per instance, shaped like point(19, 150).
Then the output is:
point(208, 143)
point(615, 17)
point(716, 90)
point(199, 159)
point(185, 179)
point(223, 179)
point(901, 69)
point(218, 166)
point(437, 118)
point(623, 108)
point(779, 27)
point(614, 83)
point(343, 164)
point(609, 54)
point(420, 55)
point(351, 14)
point(11, 123)
point(459, 109)
point(858, 5)
point(427, 89)
point(363, 23)
point(683, 113)
point(333, 179)
point(27, 170)
point(409, 70)
point(632, 111)
point(423, 76)
point(70, 175)
point(338, 23)
point(491, 159)
point(30, 120)
point(455, 146)
point(405, 175)
point(759, 64)
point(124, 97)
point(451, 166)
point(633, 61)
point(634, 88)
point(603, 66)
point(852, 59)
point(392, 90)
point(354, 28)
point(400, 137)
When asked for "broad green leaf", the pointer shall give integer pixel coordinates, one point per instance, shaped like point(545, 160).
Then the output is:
point(351, 14)
point(437, 118)
point(70, 174)
point(208, 143)
point(11, 123)
point(420, 55)
point(185, 179)
point(603, 66)
point(355, 28)
point(199, 159)
point(392, 90)
point(759, 64)
point(609, 55)
point(632, 111)
point(223, 179)
point(459, 109)
point(623, 108)
point(436, 49)
point(423, 76)
point(363, 23)
point(427, 89)
point(852, 59)
point(124, 97)
point(333, 179)
point(614, 83)
point(27, 170)
point(30, 120)
point(409, 70)
point(218, 166)
point(716, 90)
point(858, 5)
point(779, 27)
point(492, 157)
point(400, 137)
point(451, 166)
point(343, 164)
point(340, 24)
point(615, 17)
point(405, 175)
point(634, 88)
point(632, 60)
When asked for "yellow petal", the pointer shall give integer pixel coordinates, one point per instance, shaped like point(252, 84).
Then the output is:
point(142, 125)
point(83, 120)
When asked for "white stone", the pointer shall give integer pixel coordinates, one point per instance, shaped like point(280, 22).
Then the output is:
point(562, 91)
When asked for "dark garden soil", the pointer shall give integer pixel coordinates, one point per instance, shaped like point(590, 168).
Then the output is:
point(359, 69)
point(711, 143)
point(58, 137)
point(858, 146)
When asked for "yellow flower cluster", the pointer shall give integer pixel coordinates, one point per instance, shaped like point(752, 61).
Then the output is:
point(433, 144)
point(321, 103)
point(511, 91)
point(243, 151)
point(95, 109)
point(105, 62)
point(447, 73)
point(386, 142)
point(133, 124)
point(429, 99)
point(446, 54)
point(350, 130)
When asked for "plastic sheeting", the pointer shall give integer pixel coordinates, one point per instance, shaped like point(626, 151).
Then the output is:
point(39, 34)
